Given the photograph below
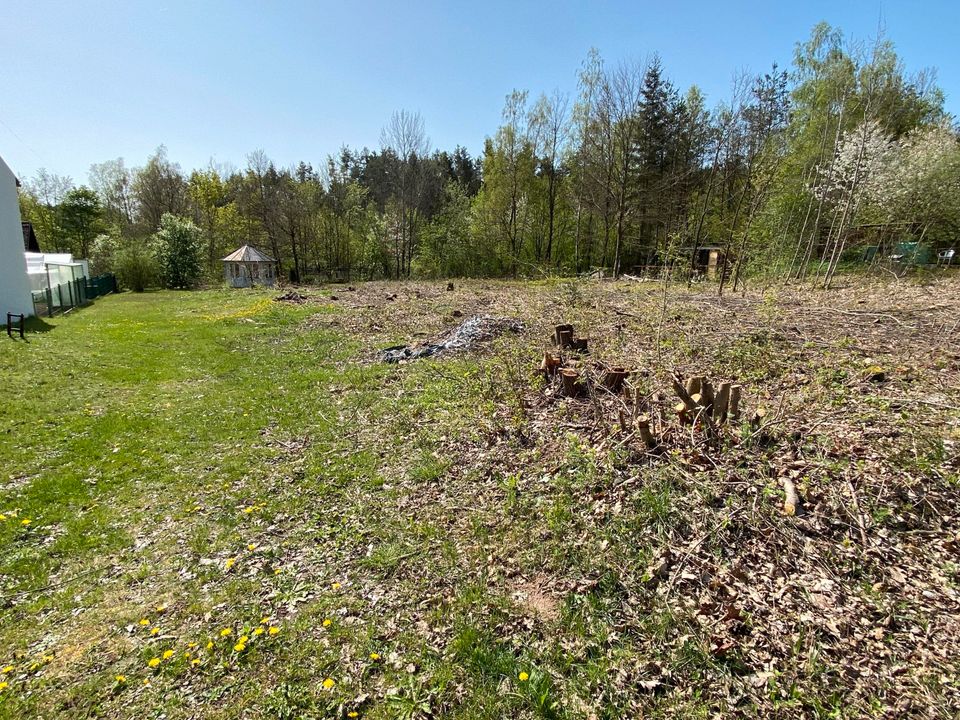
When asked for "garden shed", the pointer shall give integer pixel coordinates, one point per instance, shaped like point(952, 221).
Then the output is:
point(247, 266)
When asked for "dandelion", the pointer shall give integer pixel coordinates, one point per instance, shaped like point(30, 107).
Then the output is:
point(258, 631)
point(4, 686)
point(240, 647)
point(523, 676)
point(144, 622)
point(154, 631)
point(248, 509)
point(47, 659)
point(273, 630)
point(229, 564)
point(161, 608)
point(251, 546)
point(153, 662)
point(353, 714)
point(146, 682)
point(25, 521)
point(7, 669)
point(3, 518)
point(243, 638)
point(226, 632)
point(277, 571)
point(374, 656)
point(210, 645)
point(327, 622)
point(191, 644)
point(336, 586)
point(328, 684)
point(121, 679)
point(195, 662)
point(264, 620)
point(167, 654)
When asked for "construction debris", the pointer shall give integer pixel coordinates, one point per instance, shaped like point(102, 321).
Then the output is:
point(291, 296)
point(466, 336)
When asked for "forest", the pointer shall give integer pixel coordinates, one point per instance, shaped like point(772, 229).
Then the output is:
point(792, 175)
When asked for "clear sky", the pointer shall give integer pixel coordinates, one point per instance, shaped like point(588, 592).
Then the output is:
point(87, 81)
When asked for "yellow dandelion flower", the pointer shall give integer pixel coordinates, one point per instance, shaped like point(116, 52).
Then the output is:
point(523, 676)
point(167, 654)
point(3, 518)
point(47, 658)
point(328, 684)
point(327, 622)
point(191, 644)
point(226, 631)
point(121, 679)
point(240, 647)
point(154, 631)
point(161, 608)
point(7, 669)
point(195, 662)
point(153, 662)
point(243, 638)
point(251, 546)
point(353, 714)
point(274, 630)
point(146, 682)
point(144, 622)
point(248, 509)
point(277, 571)
point(336, 586)
point(258, 631)
point(187, 655)
point(374, 656)
point(4, 686)
point(264, 620)
point(210, 645)
point(25, 521)
point(229, 563)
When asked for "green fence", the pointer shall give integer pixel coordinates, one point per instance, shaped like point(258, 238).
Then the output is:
point(66, 296)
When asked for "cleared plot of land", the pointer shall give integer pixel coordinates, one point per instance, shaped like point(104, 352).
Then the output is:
point(230, 504)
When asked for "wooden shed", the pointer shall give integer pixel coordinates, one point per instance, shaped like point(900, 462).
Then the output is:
point(247, 266)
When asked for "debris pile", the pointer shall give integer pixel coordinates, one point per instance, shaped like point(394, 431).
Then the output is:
point(464, 337)
point(292, 296)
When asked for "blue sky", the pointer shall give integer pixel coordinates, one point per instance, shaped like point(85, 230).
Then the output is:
point(83, 82)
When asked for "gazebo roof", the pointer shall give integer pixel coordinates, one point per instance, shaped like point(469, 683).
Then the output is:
point(247, 254)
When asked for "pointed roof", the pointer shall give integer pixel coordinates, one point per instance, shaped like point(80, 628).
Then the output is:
point(247, 254)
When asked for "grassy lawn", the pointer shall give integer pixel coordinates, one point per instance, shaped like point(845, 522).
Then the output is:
point(214, 504)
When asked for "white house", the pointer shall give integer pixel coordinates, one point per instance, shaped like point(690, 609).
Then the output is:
point(247, 266)
point(14, 283)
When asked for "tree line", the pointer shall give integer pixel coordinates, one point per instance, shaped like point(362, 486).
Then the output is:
point(791, 175)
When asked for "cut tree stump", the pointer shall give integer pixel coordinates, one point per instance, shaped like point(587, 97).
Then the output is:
point(449, 287)
point(643, 430)
point(733, 407)
point(571, 382)
point(613, 378)
point(563, 336)
point(551, 363)
point(721, 402)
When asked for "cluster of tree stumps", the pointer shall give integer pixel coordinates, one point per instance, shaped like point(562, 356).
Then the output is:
point(703, 405)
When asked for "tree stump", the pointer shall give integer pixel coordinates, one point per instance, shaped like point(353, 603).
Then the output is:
point(449, 287)
point(643, 430)
point(551, 363)
point(571, 382)
point(563, 336)
point(613, 378)
point(721, 402)
point(733, 407)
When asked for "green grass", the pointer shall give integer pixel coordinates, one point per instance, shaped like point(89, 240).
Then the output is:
point(215, 461)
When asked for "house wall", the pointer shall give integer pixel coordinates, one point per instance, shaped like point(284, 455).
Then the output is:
point(14, 283)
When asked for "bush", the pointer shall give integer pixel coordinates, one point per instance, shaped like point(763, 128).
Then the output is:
point(178, 249)
point(136, 267)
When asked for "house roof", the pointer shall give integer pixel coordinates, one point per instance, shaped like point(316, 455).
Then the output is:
point(247, 254)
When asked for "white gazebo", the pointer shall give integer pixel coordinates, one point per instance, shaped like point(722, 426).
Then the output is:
point(247, 266)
